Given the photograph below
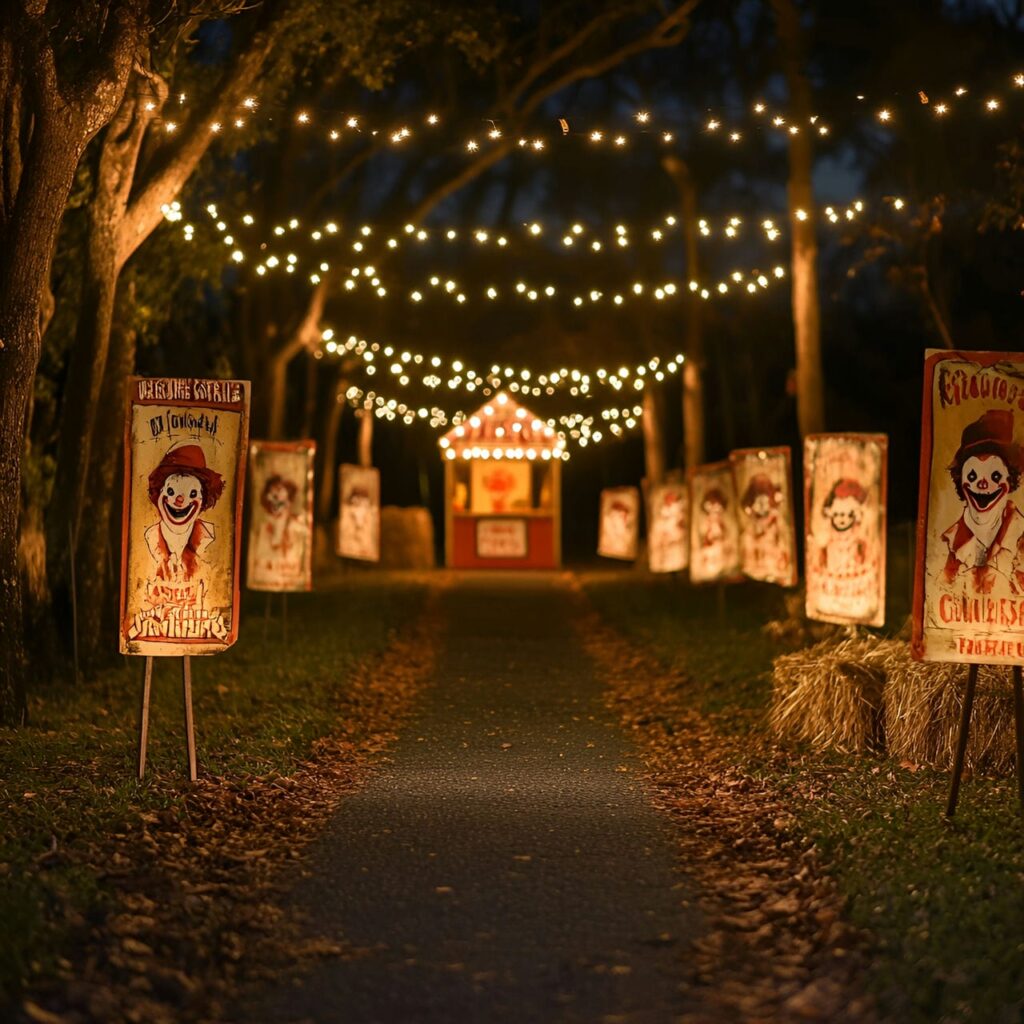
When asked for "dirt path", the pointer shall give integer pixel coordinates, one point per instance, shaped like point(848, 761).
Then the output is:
point(506, 864)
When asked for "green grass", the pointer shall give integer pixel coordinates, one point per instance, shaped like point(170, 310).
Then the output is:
point(69, 777)
point(944, 901)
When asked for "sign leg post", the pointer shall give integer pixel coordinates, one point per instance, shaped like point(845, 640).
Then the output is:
point(284, 619)
point(147, 681)
point(1018, 722)
point(961, 741)
point(190, 735)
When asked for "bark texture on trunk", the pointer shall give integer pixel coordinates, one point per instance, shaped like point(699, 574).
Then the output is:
point(694, 444)
point(329, 449)
point(654, 440)
point(56, 112)
point(810, 384)
point(97, 616)
point(365, 446)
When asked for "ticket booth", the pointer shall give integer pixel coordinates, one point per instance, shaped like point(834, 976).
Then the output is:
point(503, 496)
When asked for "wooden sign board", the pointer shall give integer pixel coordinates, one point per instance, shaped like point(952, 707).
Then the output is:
point(845, 516)
point(668, 525)
point(280, 556)
point(714, 531)
point(969, 580)
point(764, 488)
point(359, 516)
point(185, 443)
point(619, 525)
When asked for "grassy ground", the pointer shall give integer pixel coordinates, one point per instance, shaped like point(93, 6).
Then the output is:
point(944, 902)
point(68, 779)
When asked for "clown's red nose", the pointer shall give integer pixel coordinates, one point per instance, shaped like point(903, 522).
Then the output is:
point(982, 485)
point(179, 500)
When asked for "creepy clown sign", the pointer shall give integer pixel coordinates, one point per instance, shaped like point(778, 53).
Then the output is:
point(185, 444)
point(619, 524)
point(668, 520)
point(714, 531)
point(281, 515)
point(969, 584)
point(844, 513)
point(767, 534)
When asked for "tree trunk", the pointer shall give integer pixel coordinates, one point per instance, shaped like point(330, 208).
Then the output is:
point(654, 442)
point(329, 449)
point(24, 275)
point(810, 386)
point(277, 394)
point(694, 444)
point(86, 372)
point(97, 618)
point(365, 446)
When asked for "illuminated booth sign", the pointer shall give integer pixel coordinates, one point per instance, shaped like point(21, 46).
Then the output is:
point(502, 490)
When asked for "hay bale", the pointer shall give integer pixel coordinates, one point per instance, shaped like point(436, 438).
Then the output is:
point(865, 693)
point(830, 695)
point(406, 538)
point(923, 704)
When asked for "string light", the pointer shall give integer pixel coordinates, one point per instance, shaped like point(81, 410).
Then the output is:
point(435, 373)
point(339, 128)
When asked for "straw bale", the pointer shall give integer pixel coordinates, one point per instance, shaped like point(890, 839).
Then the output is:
point(865, 693)
point(830, 695)
point(923, 703)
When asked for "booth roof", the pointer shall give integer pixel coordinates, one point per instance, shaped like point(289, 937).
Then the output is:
point(503, 423)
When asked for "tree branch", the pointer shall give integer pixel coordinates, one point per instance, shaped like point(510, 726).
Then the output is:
point(173, 171)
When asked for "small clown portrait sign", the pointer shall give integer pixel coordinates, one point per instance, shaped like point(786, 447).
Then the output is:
point(844, 512)
point(714, 531)
point(185, 444)
point(620, 523)
point(280, 553)
point(668, 524)
point(765, 499)
point(359, 515)
point(969, 583)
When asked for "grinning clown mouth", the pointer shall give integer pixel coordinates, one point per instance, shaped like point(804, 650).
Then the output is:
point(179, 515)
point(983, 500)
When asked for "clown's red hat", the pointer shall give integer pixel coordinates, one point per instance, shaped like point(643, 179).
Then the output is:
point(190, 459)
point(990, 434)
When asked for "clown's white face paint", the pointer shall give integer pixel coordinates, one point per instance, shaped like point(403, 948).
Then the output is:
point(180, 499)
point(278, 500)
point(760, 506)
point(986, 484)
point(844, 513)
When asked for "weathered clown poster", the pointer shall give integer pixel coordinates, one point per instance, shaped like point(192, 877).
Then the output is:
point(714, 531)
point(185, 443)
point(763, 478)
point(359, 514)
point(969, 592)
point(845, 514)
point(668, 523)
point(280, 553)
point(619, 523)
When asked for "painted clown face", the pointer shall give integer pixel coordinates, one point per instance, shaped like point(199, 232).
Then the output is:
point(844, 513)
point(277, 500)
point(180, 499)
point(760, 506)
point(985, 481)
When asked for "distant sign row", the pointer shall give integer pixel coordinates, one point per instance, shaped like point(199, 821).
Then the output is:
point(185, 459)
point(735, 518)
